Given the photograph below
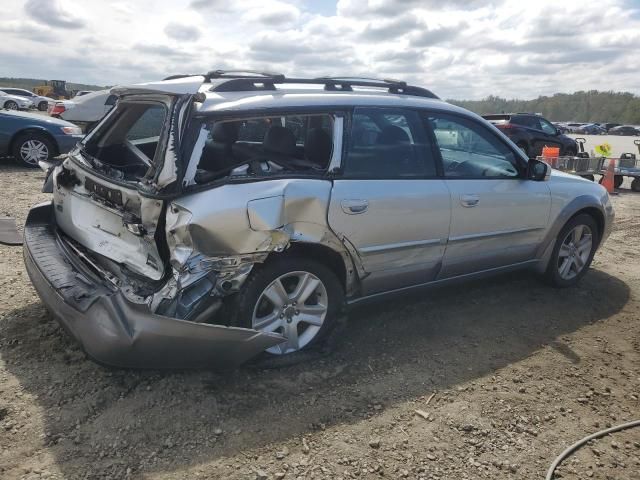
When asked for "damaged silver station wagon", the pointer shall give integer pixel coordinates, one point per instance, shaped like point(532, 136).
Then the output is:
point(210, 218)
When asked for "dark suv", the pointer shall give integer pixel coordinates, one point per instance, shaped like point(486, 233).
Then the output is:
point(532, 133)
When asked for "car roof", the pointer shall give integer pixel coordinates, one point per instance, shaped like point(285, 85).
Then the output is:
point(220, 92)
point(284, 98)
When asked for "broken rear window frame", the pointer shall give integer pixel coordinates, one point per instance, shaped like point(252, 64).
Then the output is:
point(199, 120)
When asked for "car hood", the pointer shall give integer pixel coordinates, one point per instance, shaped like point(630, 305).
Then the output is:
point(560, 176)
point(35, 118)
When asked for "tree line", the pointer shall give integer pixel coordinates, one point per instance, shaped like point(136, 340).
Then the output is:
point(591, 106)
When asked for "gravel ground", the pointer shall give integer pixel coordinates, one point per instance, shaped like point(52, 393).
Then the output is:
point(507, 373)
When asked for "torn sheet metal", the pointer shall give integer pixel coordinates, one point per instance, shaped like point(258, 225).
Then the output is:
point(117, 332)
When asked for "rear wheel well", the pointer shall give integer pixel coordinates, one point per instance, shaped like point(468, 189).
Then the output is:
point(322, 254)
point(44, 133)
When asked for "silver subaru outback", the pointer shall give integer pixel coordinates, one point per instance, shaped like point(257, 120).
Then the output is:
point(210, 218)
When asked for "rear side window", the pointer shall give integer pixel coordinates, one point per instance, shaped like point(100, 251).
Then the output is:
point(388, 143)
point(469, 150)
point(266, 145)
point(527, 121)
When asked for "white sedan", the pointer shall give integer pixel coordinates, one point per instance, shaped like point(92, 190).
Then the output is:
point(40, 102)
point(14, 102)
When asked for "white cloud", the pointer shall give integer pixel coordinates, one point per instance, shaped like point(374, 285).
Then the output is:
point(458, 48)
point(181, 31)
point(53, 13)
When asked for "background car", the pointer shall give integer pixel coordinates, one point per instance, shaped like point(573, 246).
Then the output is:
point(14, 102)
point(40, 102)
point(626, 130)
point(609, 126)
point(591, 129)
point(86, 110)
point(32, 138)
point(532, 133)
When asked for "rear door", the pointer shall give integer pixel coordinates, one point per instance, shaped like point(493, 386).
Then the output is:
point(389, 204)
point(497, 217)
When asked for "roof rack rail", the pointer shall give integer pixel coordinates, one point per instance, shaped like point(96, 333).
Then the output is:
point(252, 74)
point(255, 81)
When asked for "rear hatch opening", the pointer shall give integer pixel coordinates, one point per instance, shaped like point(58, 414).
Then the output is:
point(109, 195)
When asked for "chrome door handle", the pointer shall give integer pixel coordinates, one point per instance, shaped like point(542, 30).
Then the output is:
point(470, 200)
point(353, 207)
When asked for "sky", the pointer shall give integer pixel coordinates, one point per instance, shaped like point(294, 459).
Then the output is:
point(462, 49)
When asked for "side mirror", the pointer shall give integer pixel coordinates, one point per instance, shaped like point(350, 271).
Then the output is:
point(538, 171)
point(558, 132)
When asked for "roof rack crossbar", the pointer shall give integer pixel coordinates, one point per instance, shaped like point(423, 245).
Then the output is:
point(235, 83)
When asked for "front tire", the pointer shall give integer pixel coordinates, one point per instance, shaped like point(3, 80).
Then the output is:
point(294, 296)
point(635, 185)
point(573, 252)
point(31, 148)
point(42, 106)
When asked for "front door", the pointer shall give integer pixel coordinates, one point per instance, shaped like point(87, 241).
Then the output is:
point(498, 218)
point(388, 205)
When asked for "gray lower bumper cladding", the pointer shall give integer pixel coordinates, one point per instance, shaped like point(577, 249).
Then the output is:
point(115, 331)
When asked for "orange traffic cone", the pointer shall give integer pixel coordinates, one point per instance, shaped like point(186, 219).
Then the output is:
point(608, 179)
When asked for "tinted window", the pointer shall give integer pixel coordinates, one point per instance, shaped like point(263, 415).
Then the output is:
point(388, 143)
point(547, 127)
point(148, 125)
point(471, 151)
point(527, 121)
point(111, 100)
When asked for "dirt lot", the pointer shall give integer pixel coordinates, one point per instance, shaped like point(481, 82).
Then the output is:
point(519, 372)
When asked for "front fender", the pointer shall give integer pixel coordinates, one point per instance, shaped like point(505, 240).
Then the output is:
point(575, 206)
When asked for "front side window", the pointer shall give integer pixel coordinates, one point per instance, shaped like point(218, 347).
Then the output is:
point(547, 127)
point(469, 150)
point(266, 145)
point(388, 143)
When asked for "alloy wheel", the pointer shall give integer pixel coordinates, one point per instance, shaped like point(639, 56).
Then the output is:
point(574, 252)
point(294, 305)
point(33, 151)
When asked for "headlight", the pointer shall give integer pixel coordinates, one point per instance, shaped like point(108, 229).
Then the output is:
point(72, 130)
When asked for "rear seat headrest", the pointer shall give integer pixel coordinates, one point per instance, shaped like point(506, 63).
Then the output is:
point(280, 140)
point(225, 132)
point(318, 146)
point(393, 135)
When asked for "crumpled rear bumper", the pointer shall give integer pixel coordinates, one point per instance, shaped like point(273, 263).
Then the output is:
point(113, 330)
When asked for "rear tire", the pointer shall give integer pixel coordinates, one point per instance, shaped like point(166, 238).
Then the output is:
point(10, 105)
point(270, 301)
point(42, 106)
point(573, 252)
point(635, 185)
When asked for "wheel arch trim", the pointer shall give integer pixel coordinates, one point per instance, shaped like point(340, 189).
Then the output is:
point(588, 204)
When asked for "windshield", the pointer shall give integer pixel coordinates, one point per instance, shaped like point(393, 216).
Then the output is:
point(127, 144)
